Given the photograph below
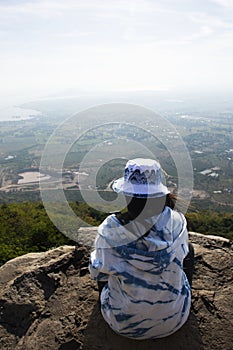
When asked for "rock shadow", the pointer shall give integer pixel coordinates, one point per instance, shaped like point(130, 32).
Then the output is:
point(70, 345)
point(98, 335)
point(16, 318)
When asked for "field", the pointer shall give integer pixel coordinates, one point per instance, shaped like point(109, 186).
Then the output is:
point(97, 145)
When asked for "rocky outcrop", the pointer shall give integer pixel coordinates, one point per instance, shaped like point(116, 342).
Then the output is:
point(48, 301)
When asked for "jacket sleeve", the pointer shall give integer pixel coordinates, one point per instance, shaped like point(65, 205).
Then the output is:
point(96, 266)
point(103, 261)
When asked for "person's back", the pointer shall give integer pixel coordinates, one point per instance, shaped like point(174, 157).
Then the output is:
point(139, 257)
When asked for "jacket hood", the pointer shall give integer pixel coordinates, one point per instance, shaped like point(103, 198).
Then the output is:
point(163, 237)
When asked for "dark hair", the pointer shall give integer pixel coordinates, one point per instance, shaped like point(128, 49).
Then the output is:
point(149, 206)
point(171, 199)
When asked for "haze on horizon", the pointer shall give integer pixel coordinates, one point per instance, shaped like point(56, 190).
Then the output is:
point(54, 46)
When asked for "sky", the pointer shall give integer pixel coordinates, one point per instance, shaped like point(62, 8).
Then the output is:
point(47, 47)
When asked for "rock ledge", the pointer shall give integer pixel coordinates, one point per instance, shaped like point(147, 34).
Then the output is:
point(48, 301)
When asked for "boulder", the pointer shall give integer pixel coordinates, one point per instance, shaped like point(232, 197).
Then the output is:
point(49, 301)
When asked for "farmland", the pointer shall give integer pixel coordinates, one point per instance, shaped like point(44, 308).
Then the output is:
point(105, 145)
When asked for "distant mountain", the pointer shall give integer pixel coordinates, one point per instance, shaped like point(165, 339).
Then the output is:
point(161, 101)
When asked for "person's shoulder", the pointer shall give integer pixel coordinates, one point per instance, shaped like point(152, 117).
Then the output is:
point(177, 215)
point(109, 223)
point(111, 233)
point(177, 219)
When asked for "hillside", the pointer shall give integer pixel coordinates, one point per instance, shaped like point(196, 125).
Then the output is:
point(25, 227)
point(48, 301)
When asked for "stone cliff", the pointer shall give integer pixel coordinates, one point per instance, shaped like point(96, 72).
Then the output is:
point(48, 301)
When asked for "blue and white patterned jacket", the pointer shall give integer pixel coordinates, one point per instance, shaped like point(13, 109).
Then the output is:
point(147, 294)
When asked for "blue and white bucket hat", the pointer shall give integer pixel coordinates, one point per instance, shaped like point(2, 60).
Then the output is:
point(142, 179)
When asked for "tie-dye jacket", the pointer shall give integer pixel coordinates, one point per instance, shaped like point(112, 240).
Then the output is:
point(147, 294)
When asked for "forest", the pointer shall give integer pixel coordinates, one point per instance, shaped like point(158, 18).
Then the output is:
point(25, 227)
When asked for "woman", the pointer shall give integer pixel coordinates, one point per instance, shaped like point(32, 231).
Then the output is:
point(138, 258)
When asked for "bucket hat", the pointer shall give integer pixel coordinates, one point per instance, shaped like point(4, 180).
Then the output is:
point(142, 179)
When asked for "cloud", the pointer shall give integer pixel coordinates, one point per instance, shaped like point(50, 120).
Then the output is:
point(216, 31)
point(228, 4)
point(112, 44)
point(215, 21)
point(74, 34)
point(44, 9)
point(52, 8)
